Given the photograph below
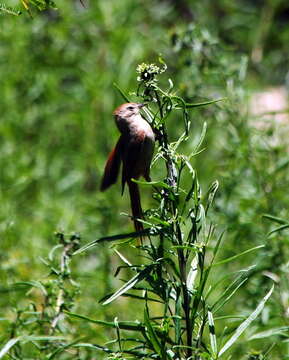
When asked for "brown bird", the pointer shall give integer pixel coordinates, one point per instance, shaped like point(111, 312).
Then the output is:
point(134, 149)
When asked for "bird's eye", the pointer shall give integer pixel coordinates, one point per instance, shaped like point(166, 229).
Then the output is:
point(130, 108)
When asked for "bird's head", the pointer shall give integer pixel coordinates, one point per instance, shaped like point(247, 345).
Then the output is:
point(127, 110)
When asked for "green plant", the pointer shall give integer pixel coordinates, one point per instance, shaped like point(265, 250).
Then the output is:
point(173, 278)
point(42, 324)
point(29, 6)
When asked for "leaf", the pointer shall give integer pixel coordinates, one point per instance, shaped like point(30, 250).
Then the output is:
point(213, 339)
point(152, 183)
point(142, 298)
point(158, 221)
point(35, 284)
point(270, 332)
point(192, 273)
point(131, 283)
point(231, 290)
point(51, 252)
point(217, 245)
point(8, 346)
point(243, 273)
point(136, 354)
point(280, 228)
point(182, 138)
point(61, 349)
point(25, 4)
point(9, 10)
point(29, 338)
point(111, 238)
point(201, 139)
point(275, 218)
point(93, 346)
point(190, 106)
point(121, 93)
point(26, 339)
point(122, 258)
point(152, 336)
point(124, 325)
point(246, 323)
point(211, 194)
point(178, 318)
point(238, 255)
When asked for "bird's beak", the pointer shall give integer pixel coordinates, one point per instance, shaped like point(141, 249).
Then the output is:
point(140, 105)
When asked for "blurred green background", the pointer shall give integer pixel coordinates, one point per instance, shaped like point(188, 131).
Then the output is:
point(56, 129)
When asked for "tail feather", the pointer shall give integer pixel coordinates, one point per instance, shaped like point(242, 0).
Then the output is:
point(112, 167)
point(135, 205)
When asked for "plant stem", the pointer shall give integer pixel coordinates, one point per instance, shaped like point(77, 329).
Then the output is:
point(61, 294)
point(172, 177)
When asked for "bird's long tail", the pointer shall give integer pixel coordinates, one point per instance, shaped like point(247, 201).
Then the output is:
point(136, 206)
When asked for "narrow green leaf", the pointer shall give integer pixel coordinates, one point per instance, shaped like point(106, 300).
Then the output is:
point(178, 319)
point(246, 323)
point(33, 283)
point(238, 255)
point(244, 274)
point(136, 354)
point(182, 138)
point(193, 273)
point(122, 93)
point(151, 334)
point(151, 183)
point(157, 220)
point(213, 339)
point(26, 339)
point(280, 228)
point(124, 325)
point(216, 247)
point(211, 194)
point(201, 139)
point(8, 346)
point(229, 292)
point(52, 251)
point(275, 219)
point(190, 106)
point(122, 258)
point(142, 298)
point(131, 283)
point(271, 332)
point(111, 238)
point(61, 349)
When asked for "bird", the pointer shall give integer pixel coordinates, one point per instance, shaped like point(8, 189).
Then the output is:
point(134, 149)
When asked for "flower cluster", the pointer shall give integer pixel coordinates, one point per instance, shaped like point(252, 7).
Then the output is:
point(147, 73)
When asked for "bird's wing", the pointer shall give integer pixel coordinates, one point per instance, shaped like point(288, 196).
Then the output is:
point(112, 166)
